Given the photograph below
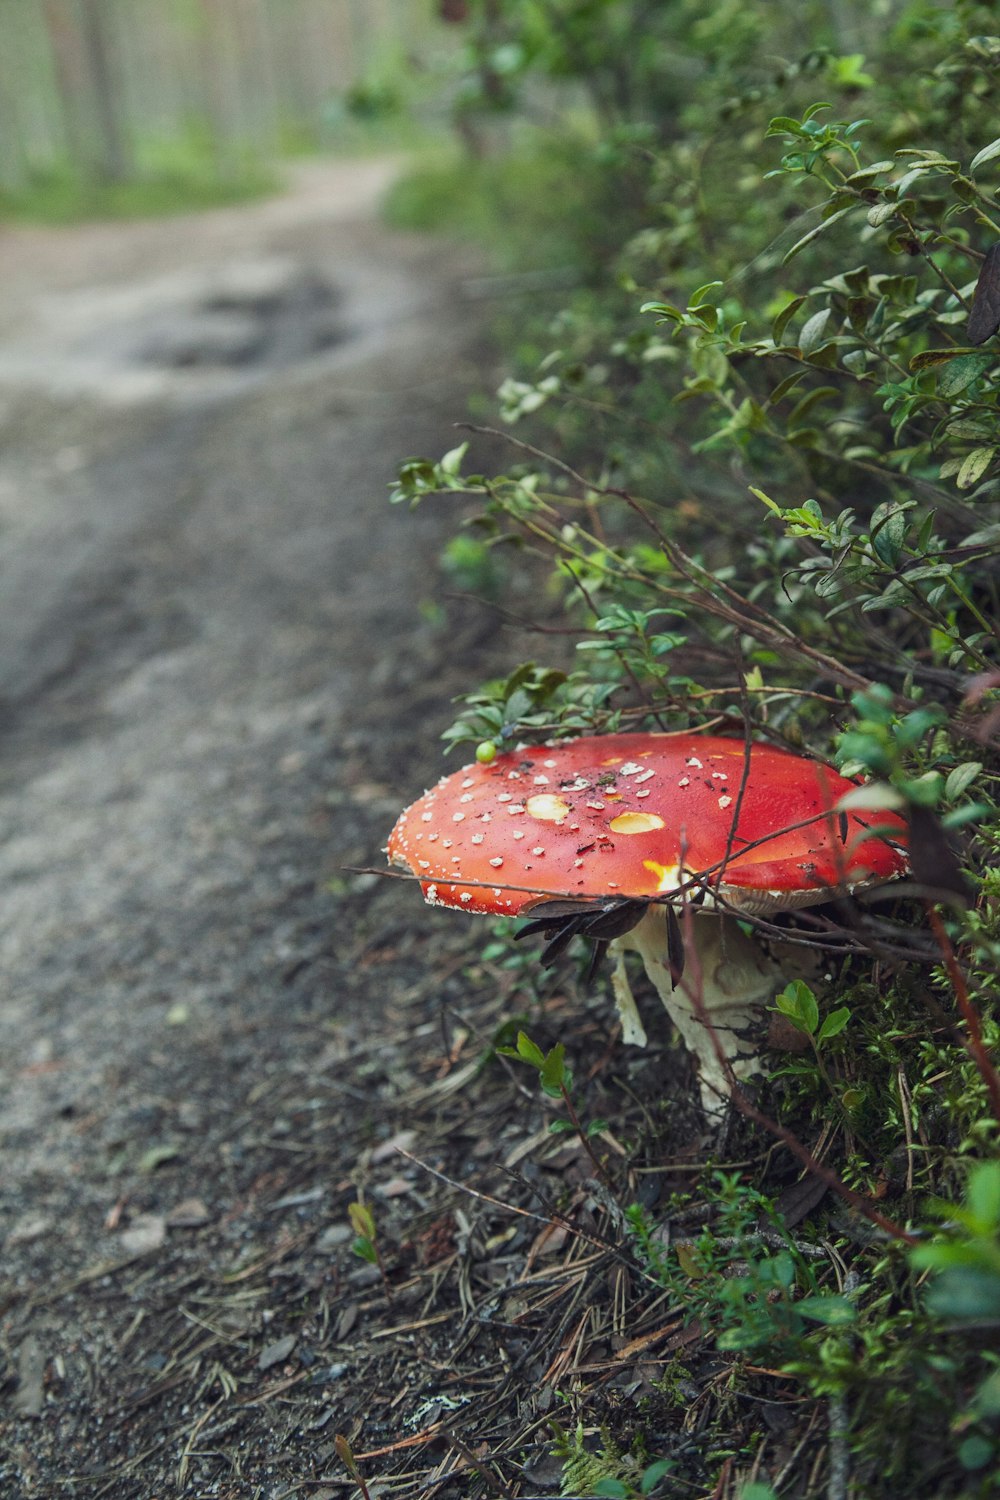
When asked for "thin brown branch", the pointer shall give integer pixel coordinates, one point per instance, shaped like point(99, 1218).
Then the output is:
point(692, 986)
point(974, 1041)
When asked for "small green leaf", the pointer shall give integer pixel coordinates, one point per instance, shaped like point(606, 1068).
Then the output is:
point(783, 124)
point(984, 1195)
point(975, 1452)
point(974, 467)
point(971, 1293)
point(960, 373)
point(858, 179)
point(785, 387)
point(933, 357)
point(362, 1220)
point(834, 1312)
point(365, 1249)
point(553, 1070)
point(698, 296)
point(652, 1476)
point(772, 505)
point(452, 461)
point(961, 778)
point(812, 331)
point(833, 1024)
point(881, 212)
point(888, 536)
point(988, 153)
point(874, 796)
point(781, 321)
point(798, 1003)
point(529, 1051)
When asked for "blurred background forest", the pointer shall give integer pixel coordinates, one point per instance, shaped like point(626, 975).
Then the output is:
point(151, 104)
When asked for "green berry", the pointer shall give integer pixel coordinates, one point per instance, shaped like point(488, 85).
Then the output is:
point(486, 752)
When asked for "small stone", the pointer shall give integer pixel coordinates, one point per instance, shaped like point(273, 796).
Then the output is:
point(276, 1353)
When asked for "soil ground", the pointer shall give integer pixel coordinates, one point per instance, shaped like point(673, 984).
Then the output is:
point(218, 688)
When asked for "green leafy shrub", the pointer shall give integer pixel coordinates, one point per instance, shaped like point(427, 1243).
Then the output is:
point(760, 465)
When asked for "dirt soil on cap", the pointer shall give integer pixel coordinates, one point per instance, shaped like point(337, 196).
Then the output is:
point(218, 688)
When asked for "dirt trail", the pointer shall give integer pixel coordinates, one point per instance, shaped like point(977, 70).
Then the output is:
point(201, 586)
point(211, 666)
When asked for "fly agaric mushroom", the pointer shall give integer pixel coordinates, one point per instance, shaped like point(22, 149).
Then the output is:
point(606, 836)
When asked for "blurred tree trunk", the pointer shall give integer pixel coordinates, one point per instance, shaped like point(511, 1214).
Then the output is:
point(13, 156)
point(70, 73)
point(95, 136)
point(114, 157)
point(220, 82)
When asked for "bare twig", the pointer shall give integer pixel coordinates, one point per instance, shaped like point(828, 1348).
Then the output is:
point(692, 986)
point(974, 1042)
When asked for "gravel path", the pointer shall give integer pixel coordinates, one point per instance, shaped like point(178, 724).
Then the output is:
point(204, 599)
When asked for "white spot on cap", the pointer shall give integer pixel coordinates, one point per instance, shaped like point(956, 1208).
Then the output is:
point(468, 781)
point(477, 838)
point(538, 851)
point(432, 838)
point(518, 833)
point(549, 763)
point(496, 862)
point(596, 806)
point(630, 769)
point(464, 896)
point(644, 776)
point(424, 864)
point(518, 807)
point(581, 784)
point(426, 817)
point(505, 796)
point(458, 817)
point(684, 781)
point(541, 781)
point(465, 797)
point(724, 802)
point(694, 761)
point(642, 794)
point(513, 775)
point(486, 817)
point(447, 843)
point(721, 775)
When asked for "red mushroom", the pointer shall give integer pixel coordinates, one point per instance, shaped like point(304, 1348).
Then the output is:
point(607, 835)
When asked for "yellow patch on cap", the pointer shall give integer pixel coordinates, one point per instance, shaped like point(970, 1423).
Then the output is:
point(548, 808)
point(636, 822)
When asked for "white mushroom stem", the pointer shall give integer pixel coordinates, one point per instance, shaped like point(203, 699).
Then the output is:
point(734, 982)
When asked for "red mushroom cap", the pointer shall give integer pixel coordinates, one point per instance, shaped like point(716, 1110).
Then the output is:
point(637, 815)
